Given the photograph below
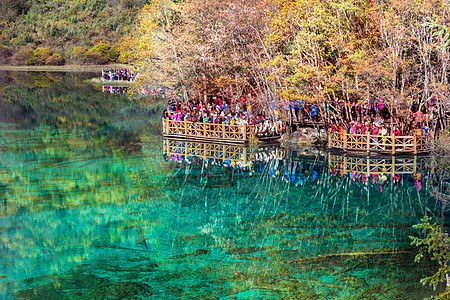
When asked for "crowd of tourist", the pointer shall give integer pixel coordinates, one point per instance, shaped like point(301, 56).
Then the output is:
point(118, 75)
point(220, 111)
point(354, 118)
point(375, 118)
point(358, 117)
point(372, 129)
point(302, 112)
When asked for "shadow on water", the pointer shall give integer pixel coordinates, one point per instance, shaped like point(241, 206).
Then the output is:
point(100, 206)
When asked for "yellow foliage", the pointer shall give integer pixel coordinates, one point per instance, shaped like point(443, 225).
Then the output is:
point(138, 45)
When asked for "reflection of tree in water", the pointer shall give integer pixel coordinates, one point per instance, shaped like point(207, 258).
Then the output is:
point(69, 190)
point(82, 160)
point(53, 99)
point(315, 177)
point(263, 235)
point(36, 79)
point(440, 184)
point(298, 228)
point(15, 113)
point(329, 195)
point(64, 195)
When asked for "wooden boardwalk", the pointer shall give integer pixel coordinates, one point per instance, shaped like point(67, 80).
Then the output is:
point(201, 131)
point(240, 135)
point(380, 143)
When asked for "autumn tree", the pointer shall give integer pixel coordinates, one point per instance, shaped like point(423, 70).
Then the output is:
point(277, 51)
point(216, 47)
point(359, 50)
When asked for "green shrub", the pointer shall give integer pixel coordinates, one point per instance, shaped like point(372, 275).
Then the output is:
point(39, 57)
point(55, 60)
point(5, 54)
point(103, 48)
point(113, 53)
point(16, 7)
point(22, 56)
point(27, 38)
point(94, 58)
point(129, 4)
point(78, 53)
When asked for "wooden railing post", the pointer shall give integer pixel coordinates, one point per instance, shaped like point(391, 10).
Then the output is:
point(329, 137)
point(204, 127)
point(245, 131)
point(393, 144)
point(345, 139)
point(367, 140)
point(430, 142)
point(223, 130)
point(415, 143)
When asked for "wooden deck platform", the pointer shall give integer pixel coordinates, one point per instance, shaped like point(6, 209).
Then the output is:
point(201, 131)
point(208, 132)
point(380, 143)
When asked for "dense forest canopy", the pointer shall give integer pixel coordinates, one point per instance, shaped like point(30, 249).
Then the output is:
point(271, 51)
point(283, 50)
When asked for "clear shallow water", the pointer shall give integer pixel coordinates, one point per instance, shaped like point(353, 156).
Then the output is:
point(101, 209)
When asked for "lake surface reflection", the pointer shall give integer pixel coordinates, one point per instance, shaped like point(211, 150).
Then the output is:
point(95, 204)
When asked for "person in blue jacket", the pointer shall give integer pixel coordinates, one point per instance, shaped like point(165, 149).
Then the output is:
point(313, 113)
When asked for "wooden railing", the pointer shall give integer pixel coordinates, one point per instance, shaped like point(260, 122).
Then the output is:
point(209, 131)
point(380, 165)
point(205, 150)
point(380, 143)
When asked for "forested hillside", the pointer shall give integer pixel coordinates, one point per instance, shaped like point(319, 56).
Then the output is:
point(32, 31)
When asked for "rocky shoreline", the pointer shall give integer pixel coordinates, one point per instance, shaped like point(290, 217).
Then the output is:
point(304, 138)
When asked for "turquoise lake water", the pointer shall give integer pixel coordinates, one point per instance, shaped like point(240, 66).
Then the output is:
point(95, 204)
